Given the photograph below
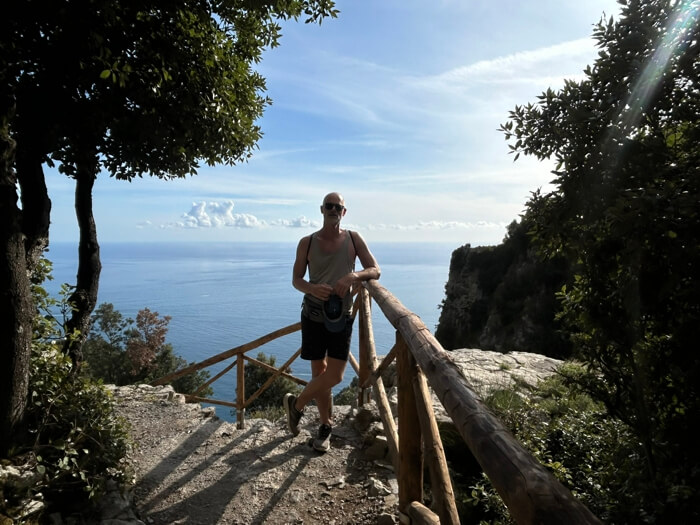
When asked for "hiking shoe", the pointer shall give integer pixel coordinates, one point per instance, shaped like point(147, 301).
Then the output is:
point(323, 442)
point(293, 415)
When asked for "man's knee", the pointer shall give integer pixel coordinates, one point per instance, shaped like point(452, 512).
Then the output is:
point(318, 367)
point(335, 372)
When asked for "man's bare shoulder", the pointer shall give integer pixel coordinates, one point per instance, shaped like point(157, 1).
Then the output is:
point(306, 239)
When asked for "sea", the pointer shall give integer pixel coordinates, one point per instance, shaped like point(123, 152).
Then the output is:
point(222, 295)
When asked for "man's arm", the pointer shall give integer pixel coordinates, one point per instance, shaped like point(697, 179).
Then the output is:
point(370, 267)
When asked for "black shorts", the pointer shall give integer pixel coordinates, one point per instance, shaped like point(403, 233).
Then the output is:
point(317, 342)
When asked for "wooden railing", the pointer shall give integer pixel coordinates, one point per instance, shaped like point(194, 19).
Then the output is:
point(531, 493)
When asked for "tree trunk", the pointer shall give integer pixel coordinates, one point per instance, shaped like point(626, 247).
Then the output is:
point(36, 205)
point(84, 297)
point(15, 322)
point(23, 237)
point(15, 306)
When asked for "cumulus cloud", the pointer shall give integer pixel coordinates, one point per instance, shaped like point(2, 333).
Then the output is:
point(210, 214)
point(299, 222)
point(217, 215)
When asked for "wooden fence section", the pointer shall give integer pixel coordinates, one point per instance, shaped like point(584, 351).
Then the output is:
point(240, 357)
point(530, 492)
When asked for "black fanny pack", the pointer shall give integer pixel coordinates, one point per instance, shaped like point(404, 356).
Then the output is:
point(334, 317)
point(312, 310)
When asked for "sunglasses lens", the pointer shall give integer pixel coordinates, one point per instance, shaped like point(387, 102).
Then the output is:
point(329, 206)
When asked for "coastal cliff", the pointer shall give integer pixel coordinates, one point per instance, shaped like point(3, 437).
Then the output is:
point(503, 298)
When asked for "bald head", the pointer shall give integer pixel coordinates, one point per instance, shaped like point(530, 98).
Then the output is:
point(334, 197)
point(333, 208)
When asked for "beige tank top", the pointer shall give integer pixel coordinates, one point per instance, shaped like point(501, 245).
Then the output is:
point(327, 268)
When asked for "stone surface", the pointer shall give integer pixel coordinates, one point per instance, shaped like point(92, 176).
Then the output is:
point(485, 370)
point(194, 468)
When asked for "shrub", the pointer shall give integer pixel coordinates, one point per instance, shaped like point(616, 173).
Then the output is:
point(73, 441)
point(77, 440)
point(268, 404)
point(116, 352)
point(590, 452)
point(349, 394)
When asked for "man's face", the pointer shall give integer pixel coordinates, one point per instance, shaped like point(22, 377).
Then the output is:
point(333, 208)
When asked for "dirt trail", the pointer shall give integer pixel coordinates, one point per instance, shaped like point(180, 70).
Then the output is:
point(193, 468)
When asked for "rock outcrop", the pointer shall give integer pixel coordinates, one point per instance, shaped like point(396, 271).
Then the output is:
point(503, 298)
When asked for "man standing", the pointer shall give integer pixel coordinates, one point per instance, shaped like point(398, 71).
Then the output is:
point(326, 319)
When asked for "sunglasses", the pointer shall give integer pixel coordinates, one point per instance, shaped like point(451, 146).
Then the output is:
point(329, 206)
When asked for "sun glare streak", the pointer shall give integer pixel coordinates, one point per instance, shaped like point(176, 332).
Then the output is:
point(672, 45)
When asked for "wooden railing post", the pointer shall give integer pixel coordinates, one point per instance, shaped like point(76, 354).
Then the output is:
point(410, 473)
point(380, 396)
point(366, 339)
point(240, 391)
point(440, 482)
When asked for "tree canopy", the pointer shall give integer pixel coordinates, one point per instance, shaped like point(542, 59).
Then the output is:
point(624, 211)
point(147, 88)
point(151, 87)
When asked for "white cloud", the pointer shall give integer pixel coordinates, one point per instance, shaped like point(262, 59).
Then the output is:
point(212, 214)
point(299, 222)
point(220, 215)
point(544, 66)
point(216, 215)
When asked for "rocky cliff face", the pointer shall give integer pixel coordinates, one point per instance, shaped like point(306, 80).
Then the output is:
point(502, 298)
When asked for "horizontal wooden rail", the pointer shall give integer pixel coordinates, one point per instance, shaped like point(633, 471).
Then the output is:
point(229, 353)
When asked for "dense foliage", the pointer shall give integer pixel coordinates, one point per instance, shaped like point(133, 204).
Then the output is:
point(123, 351)
point(73, 443)
point(594, 455)
point(624, 212)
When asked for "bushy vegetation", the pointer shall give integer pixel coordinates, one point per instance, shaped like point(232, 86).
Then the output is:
point(268, 405)
point(73, 443)
point(624, 211)
point(74, 436)
point(123, 351)
point(623, 216)
point(593, 454)
point(349, 394)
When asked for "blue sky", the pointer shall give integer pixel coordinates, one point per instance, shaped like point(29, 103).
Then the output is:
point(396, 104)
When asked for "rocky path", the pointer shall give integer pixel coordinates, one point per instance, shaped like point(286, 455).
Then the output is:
point(193, 468)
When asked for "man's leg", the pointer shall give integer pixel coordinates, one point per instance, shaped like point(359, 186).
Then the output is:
point(322, 398)
point(330, 373)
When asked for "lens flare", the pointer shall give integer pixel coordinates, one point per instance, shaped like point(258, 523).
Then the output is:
point(674, 43)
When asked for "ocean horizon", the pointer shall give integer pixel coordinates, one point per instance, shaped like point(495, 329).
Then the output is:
point(222, 295)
